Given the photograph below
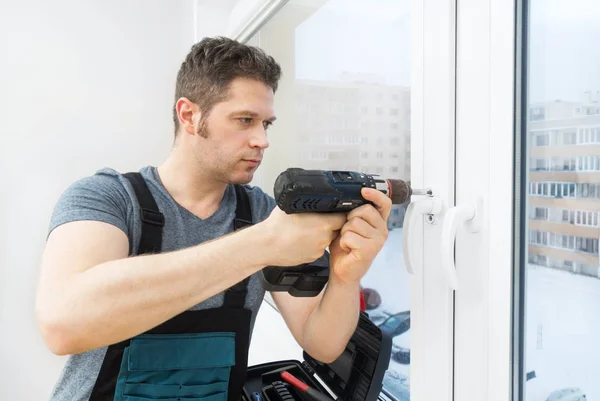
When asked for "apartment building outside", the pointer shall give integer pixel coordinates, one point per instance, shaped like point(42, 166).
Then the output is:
point(357, 124)
point(564, 185)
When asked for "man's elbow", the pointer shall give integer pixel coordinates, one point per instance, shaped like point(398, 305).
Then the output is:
point(329, 354)
point(55, 333)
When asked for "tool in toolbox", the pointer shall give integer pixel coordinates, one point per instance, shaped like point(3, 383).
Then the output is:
point(356, 375)
point(282, 391)
point(297, 190)
point(305, 388)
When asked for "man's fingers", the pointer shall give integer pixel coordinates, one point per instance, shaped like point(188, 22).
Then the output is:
point(336, 220)
point(360, 226)
point(352, 243)
point(369, 214)
point(382, 203)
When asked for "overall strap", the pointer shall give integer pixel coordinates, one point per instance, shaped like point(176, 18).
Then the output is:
point(152, 219)
point(243, 212)
point(235, 296)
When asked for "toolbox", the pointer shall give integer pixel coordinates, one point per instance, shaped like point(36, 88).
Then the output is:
point(357, 375)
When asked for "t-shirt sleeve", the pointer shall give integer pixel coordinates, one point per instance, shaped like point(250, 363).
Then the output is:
point(261, 203)
point(100, 197)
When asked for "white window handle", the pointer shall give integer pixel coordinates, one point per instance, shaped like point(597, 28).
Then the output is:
point(414, 212)
point(470, 216)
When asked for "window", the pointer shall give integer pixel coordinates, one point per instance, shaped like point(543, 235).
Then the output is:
point(542, 140)
point(541, 213)
point(588, 163)
point(570, 138)
point(589, 135)
point(537, 113)
point(561, 275)
point(540, 164)
point(564, 241)
point(358, 55)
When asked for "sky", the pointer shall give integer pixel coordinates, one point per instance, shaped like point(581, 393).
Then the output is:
point(348, 35)
point(564, 49)
point(374, 37)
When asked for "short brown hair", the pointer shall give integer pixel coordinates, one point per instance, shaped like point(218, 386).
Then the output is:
point(211, 65)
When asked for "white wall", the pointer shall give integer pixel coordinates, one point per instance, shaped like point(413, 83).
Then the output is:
point(83, 85)
point(213, 17)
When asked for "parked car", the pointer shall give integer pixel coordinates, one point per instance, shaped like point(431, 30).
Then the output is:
point(372, 298)
point(567, 394)
point(400, 354)
point(397, 385)
point(378, 316)
point(396, 324)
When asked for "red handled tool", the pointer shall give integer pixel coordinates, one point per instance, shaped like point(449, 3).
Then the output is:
point(300, 385)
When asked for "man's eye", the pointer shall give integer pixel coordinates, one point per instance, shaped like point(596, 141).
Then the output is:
point(245, 120)
point(267, 124)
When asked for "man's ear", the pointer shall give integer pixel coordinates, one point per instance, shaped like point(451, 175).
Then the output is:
point(188, 114)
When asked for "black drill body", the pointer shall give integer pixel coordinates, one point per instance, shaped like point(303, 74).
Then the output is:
point(318, 191)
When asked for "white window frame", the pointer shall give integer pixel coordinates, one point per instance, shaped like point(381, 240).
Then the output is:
point(433, 94)
point(249, 16)
point(485, 166)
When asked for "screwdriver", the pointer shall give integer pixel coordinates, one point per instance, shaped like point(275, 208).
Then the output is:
point(300, 385)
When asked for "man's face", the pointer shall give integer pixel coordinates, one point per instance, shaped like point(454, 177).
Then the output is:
point(231, 141)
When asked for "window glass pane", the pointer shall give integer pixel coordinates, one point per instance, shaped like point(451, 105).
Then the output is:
point(562, 279)
point(344, 104)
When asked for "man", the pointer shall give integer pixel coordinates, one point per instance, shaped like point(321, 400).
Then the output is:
point(163, 306)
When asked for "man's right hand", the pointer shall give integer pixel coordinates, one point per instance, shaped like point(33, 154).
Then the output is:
point(300, 238)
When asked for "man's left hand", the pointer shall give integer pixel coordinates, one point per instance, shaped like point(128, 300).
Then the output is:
point(360, 239)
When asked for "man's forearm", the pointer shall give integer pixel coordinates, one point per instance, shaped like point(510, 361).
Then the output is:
point(119, 299)
point(333, 321)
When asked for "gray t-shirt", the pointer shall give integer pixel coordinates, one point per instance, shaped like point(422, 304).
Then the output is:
point(108, 196)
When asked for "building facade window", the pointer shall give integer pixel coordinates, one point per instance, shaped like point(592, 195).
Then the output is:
point(564, 241)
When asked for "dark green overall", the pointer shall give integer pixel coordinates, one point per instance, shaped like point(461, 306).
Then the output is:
point(197, 355)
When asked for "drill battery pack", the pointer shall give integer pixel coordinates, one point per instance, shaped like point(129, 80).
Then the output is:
point(307, 280)
point(357, 374)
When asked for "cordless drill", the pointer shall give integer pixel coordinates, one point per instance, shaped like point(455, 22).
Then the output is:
point(298, 190)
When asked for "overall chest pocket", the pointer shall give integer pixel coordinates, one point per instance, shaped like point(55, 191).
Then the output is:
point(177, 367)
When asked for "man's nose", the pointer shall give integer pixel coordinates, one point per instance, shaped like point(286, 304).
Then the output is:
point(259, 139)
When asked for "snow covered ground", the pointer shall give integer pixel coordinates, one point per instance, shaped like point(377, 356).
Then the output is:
point(562, 333)
point(562, 327)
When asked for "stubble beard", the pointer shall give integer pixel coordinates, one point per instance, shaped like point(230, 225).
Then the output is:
point(219, 172)
point(202, 128)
